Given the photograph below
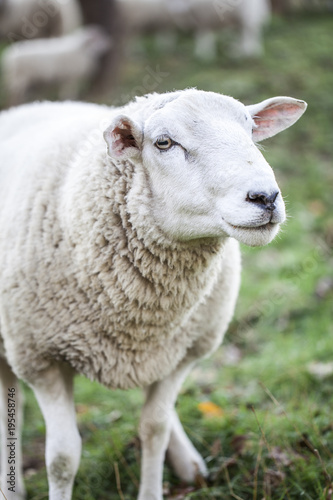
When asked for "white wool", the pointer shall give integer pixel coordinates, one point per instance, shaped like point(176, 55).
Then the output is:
point(66, 61)
point(119, 256)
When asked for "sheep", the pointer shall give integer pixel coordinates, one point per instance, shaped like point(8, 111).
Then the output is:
point(27, 19)
point(119, 256)
point(203, 18)
point(65, 61)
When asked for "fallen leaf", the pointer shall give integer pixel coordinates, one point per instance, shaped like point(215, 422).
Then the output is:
point(210, 409)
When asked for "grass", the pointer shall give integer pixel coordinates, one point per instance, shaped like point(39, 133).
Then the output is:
point(272, 436)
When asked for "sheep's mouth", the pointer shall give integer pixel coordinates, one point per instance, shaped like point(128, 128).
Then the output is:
point(253, 234)
point(263, 227)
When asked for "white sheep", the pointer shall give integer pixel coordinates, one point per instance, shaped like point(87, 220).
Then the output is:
point(122, 263)
point(27, 19)
point(67, 62)
point(203, 18)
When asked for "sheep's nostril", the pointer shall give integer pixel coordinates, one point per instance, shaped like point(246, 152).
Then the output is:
point(263, 199)
point(273, 197)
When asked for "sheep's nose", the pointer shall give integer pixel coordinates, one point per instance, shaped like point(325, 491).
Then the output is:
point(265, 200)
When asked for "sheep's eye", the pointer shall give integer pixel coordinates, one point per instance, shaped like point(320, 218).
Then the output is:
point(164, 142)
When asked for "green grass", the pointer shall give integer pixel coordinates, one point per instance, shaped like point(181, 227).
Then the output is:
point(274, 437)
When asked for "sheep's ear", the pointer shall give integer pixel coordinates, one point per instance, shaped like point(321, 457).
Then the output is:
point(124, 138)
point(274, 115)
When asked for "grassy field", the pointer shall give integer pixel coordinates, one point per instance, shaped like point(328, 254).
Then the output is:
point(260, 410)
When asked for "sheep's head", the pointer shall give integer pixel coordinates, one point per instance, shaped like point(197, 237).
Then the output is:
point(206, 175)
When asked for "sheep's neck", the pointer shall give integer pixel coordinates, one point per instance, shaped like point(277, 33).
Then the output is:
point(138, 268)
point(158, 259)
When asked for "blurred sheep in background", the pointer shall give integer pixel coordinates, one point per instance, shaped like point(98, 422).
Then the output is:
point(30, 19)
point(50, 50)
point(74, 60)
point(204, 18)
point(67, 61)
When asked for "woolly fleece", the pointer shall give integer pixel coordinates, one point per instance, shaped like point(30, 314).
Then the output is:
point(86, 276)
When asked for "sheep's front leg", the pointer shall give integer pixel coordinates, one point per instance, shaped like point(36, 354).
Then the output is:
point(54, 393)
point(250, 42)
point(205, 45)
point(11, 402)
point(157, 419)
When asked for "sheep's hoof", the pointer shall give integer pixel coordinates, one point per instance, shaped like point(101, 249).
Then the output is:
point(191, 471)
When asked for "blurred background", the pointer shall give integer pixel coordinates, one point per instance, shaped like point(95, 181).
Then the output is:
point(260, 410)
